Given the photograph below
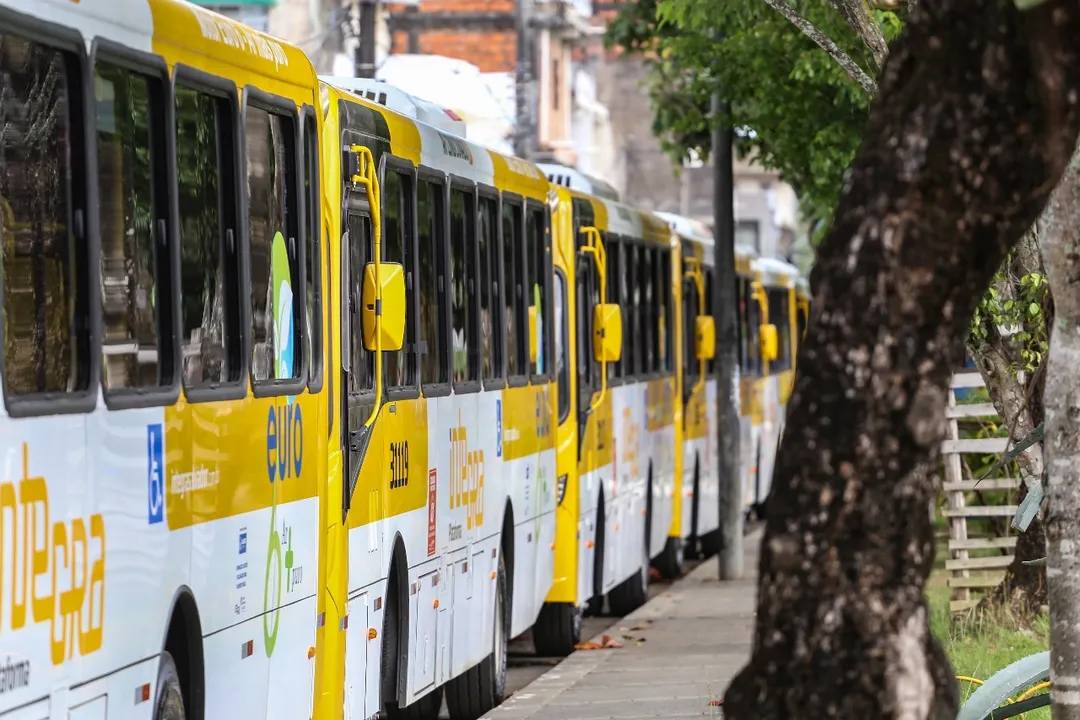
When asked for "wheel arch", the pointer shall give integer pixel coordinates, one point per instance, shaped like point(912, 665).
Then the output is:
point(397, 581)
point(183, 640)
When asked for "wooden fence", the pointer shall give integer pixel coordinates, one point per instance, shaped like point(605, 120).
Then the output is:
point(977, 558)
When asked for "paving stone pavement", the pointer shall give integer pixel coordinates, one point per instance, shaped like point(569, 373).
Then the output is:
point(697, 637)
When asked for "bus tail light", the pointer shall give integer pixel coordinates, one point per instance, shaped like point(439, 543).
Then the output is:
point(560, 489)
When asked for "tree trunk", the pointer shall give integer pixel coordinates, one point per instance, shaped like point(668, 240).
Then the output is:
point(1061, 255)
point(1019, 403)
point(975, 122)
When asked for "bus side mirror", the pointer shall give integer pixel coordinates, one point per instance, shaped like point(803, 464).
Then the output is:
point(534, 341)
point(392, 276)
point(769, 343)
point(704, 337)
point(607, 333)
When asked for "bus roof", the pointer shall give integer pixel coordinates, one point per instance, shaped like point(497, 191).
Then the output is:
point(430, 146)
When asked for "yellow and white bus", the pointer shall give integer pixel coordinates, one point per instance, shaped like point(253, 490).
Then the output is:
point(697, 517)
point(770, 303)
point(451, 490)
point(278, 403)
point(616, 420)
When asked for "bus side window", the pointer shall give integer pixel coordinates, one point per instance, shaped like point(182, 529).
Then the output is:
point(691, 365)
point(666, 331)
point(136, 265)
point(273, 234)
point(209, 251)
point(314, 255)
point(779, 316)
point(517, 331)
point(647, 309)
point(463, 286)
point(562, 344)
point(615, 290)
point(42, 222)
point(361, 362)
point(707, 309)
point(434, 368)
point(539, 285)
point(397, 247)
point(491, 326)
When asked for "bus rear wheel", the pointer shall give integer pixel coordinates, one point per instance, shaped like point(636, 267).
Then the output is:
point(558, 629)
point(483, 686)
point(170, 701)
point(670, 562)
point(631, 593)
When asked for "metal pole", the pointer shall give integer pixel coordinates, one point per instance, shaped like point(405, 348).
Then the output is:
point(727, 343)
point(365, 49)
point(524, 82)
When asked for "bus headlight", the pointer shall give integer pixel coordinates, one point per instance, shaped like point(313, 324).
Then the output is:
point(560, 489)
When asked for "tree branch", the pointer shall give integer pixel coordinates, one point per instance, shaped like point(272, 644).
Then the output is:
point(825, 43)
point(857, 14)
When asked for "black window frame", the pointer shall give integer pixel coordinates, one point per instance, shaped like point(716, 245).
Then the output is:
point(547, 342)
point(403, 166)
point(633, 371)
point(665, 361)
point(285, 108)
point(780, 320)
point(520, 379)
point(83, 197)
point(614, 249)
point(474, 362)
point(498, 298)
point(155, 67)
point(311, 215)
point(441, 388)
point(237, 385)
point(709, 308)
point(563, 391)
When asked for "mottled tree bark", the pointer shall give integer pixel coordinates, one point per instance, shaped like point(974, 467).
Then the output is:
point(1019, 403)
point(975, 122)
point(1060, 228)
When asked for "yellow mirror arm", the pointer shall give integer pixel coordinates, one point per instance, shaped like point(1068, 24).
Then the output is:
point(369, 178)
point(595, 247)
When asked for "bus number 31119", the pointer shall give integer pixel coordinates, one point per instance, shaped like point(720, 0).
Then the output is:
point(399, 464)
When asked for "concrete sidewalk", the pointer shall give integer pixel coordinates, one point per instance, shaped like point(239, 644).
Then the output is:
point(697, 636)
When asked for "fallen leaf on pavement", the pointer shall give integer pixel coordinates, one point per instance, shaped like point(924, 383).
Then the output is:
point(610, 642)
point(606, 642)
point(642, 626)
point(716, 702)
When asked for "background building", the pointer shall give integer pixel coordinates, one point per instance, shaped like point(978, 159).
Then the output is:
point(532, 77)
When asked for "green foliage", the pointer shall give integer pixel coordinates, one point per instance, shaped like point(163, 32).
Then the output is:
point(797, 110)
point(1023, 314)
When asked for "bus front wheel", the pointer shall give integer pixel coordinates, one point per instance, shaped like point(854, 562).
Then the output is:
point(558, 629)
point(170, 700)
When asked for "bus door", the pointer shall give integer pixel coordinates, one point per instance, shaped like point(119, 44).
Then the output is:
point(372, 312)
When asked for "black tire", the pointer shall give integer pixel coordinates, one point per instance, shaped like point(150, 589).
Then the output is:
point(710, 544)
point(388, 662)
point(558, 629)
point(169, 703)
point(670, 562)
point(483, 686)
point(594, 606)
